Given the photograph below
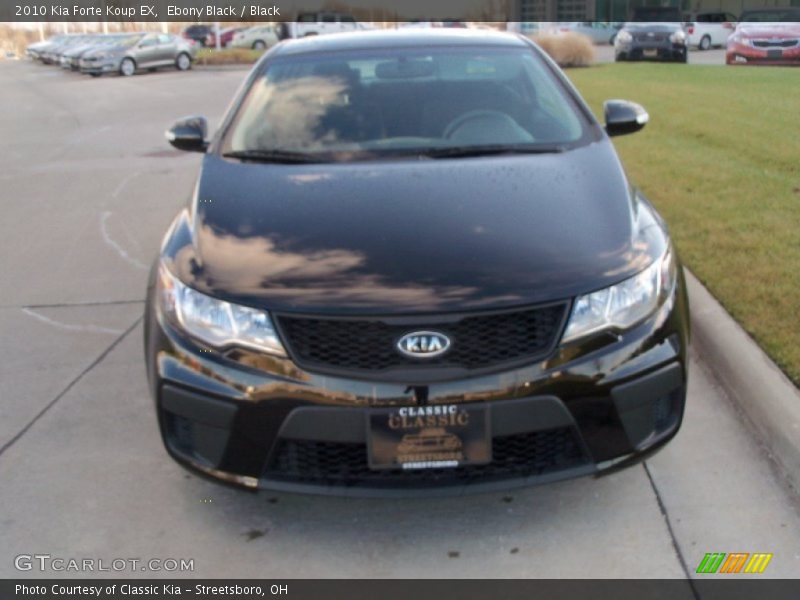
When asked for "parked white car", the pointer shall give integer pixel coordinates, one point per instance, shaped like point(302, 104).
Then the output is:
point(704, 30)
point(260, 37)
point(320, 23)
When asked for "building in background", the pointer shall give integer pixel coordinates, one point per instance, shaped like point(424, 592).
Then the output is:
point(532, 11)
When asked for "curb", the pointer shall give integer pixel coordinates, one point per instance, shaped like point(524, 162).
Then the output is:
point(755, 383)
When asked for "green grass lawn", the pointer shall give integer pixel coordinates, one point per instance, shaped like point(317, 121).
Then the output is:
point(720, 159)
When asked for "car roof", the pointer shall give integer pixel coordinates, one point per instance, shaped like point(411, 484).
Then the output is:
point(398, 38)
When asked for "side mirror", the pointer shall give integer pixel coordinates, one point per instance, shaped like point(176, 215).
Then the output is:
point(189, 133)
point(624, 117)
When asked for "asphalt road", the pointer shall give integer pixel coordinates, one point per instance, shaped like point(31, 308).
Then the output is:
point(87, 186)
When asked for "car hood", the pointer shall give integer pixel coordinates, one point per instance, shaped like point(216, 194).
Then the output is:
point(653, 28)
point(776, 31)
point(413, 236)
point(78, 50)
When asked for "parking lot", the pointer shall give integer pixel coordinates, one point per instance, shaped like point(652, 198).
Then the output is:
point(89, 185)
point(716, 56)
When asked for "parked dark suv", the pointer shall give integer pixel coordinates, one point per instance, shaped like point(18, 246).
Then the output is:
point(412, 263)
point(199, 34)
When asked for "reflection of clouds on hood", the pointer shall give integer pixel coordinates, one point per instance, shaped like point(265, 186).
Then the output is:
point(634, 259)
point(287, 114)
point(258, 267)
point(248, 263)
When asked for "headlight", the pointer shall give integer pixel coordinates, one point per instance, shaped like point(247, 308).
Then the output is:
point(625, 304)
point(678, 37)
point(216, 322)
point(624, 37)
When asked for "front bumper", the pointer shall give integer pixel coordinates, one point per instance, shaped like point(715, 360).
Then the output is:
point(99, 66)
point(637, 50)
point(262, 422)
point(741, 54)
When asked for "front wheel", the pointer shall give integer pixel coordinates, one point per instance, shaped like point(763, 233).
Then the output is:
point(705, 43)
point(95, 74)
point(183, 62)
point(127, 67)
point(259, 45)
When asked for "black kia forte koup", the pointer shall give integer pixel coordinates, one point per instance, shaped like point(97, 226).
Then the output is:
point(413, 263)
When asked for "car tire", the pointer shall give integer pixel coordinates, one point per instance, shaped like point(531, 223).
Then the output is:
point(127, 67)
point(684, 59)
point(613, 39)
point(705, 43)
point(95, 74)
point(259, 45)
point(619, 58)
point(183, 62)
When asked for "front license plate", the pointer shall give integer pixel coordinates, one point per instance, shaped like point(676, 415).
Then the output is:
point(428, 437)
point(650, 52)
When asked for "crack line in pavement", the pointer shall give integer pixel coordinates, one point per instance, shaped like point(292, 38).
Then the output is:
point(120, 250)
point(123, 183)
point(70, 385)
point(79, 304)
point(675, 545)
point(69, 326)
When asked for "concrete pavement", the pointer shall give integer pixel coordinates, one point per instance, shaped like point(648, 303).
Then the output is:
point(716, 56)
point(88, 187)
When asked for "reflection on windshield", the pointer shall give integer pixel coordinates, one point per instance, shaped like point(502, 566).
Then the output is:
point(380, 104)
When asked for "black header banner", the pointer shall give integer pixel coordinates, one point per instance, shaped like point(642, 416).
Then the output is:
point(251, 10)
point(363, 10)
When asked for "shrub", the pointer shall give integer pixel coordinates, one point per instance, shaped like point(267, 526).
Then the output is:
point(567, 49)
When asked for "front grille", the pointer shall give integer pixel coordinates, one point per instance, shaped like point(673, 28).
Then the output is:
point(368, 346)
point(775, 43)
point(345, 464)
point(643, 37)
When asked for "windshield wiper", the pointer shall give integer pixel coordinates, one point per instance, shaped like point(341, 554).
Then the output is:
point(467, 151)
point(273, 156)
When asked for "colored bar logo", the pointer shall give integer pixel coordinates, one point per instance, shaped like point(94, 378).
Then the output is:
point(736, 562)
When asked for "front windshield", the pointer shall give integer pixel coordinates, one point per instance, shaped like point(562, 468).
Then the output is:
point(372, 103)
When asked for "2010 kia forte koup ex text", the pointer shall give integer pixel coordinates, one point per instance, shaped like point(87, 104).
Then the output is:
point(412, 263)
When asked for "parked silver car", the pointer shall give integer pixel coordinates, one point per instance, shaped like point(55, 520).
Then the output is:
point(139, 51)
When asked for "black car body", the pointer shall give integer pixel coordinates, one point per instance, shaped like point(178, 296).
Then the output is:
point(197, 33)
point(651, 41)
point(451, 300)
